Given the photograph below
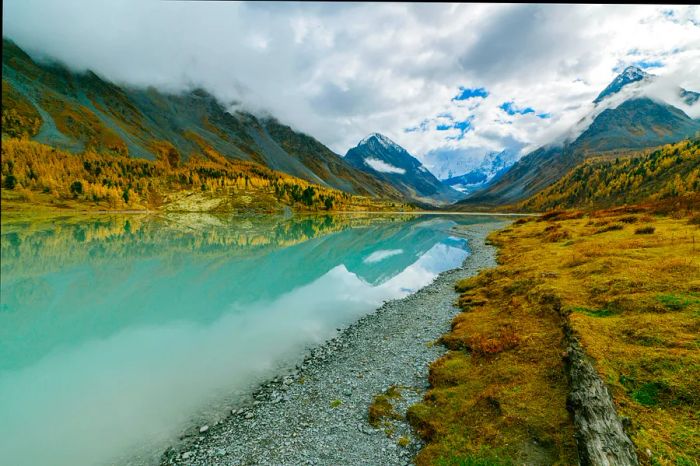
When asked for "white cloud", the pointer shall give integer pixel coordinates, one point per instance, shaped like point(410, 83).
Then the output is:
point(381, 166)
point(378, 256)
point(340, 71)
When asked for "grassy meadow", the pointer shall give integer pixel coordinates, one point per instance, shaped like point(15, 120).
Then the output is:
point(627, 281)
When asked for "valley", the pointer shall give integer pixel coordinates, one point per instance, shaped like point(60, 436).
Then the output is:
point(279, 254)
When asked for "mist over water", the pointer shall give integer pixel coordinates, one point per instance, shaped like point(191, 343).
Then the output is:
point(118, 332)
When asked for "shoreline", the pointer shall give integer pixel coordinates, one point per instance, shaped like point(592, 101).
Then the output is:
point(318, 412)
point(29, 214)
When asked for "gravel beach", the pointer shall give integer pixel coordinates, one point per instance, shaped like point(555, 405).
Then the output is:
point(318, 414)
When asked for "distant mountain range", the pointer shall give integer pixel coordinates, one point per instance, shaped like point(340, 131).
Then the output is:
point(490, 170)
point(382, 158)
point(637, 122)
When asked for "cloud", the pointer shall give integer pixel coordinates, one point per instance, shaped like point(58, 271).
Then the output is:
point(380, 255)
point(342, 71)
point(381, 166)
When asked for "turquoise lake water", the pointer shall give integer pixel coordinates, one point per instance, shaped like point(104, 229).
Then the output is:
point(117, 332)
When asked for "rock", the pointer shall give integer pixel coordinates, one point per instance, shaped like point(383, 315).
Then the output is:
point(187, 455)
point(203, 429)
point(249, 415)
point(600, 436)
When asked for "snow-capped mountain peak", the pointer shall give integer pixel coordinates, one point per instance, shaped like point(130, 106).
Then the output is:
point(381, 140)
point(629, 75)
point(492, 166)
point(632, 73)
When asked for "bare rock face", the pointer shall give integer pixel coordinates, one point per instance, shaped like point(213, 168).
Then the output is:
point(600, 435)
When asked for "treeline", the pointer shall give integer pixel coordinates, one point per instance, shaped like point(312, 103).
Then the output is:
point(37, 172)
point(670, 171)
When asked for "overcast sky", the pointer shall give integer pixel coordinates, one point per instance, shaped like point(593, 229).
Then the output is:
point(446, 81)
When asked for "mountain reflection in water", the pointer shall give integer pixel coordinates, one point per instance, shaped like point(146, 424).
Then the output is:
point(116, 332)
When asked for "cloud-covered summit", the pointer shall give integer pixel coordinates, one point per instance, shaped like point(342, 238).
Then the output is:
point(439, 79)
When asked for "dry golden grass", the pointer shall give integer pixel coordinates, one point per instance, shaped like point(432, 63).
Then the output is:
point(634, 301)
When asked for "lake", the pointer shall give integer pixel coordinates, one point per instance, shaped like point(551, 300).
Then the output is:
point(117, 332)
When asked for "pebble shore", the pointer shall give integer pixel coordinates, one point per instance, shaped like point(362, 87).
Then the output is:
point(317, 414)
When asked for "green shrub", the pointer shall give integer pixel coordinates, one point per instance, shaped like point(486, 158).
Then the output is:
point(10, 181)
point(76, 188)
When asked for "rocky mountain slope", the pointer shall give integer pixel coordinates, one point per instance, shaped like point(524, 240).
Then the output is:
point(79, 111)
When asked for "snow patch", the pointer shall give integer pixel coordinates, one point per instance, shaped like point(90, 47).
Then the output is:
point(381, 166)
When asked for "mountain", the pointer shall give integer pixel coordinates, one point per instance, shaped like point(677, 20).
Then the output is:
point(671, 171)
point(385, 160)
point(630, 75)
point(689, 97)
point(638, 122)
point(81, 111)
point(490, 170)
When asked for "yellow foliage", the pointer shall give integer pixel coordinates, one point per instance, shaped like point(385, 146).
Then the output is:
point(19, 117)
point(670, 171)
point(108, 181)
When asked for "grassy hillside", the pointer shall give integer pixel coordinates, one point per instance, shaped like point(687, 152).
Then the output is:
point(627, 284)
point(38, 176)
point(670, 171)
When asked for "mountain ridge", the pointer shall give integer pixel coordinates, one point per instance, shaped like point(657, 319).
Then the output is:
point(670, 171)
point(79, 111)
point(629, 75)
point(636, 123)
